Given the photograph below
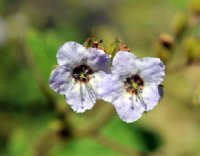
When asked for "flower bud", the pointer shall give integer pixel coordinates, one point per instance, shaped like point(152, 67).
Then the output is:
point(167, 41)
point(164, 47)
point(180, 25)
point(192, 49)
point(195, 6)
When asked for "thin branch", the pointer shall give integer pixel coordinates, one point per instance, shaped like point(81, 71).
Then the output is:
point(45, 143)
point(125, 150)
point(95, 127)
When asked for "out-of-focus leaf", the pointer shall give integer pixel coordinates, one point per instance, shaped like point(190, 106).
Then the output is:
point(43, 47)
point(19, 144)
point(44, 58)
point(26, 136)
point(18, 86)
point(83, 147)
point(180, 24)
point(195, 6)
point(192, 49)
point(140, 139)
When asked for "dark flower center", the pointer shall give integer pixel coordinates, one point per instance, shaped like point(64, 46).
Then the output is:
point(82, 73)
point(134, 84)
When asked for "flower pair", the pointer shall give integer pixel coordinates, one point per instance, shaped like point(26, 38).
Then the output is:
point(84, 75)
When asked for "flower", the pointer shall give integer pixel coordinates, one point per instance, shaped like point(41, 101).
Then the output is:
point(133, 86)
point(78, 74)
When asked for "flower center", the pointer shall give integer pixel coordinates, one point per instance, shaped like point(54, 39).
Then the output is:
point(133, 84)
point(82, 73)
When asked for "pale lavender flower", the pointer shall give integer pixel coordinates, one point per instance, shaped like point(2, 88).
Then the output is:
point(79, 74)
point(133, 85)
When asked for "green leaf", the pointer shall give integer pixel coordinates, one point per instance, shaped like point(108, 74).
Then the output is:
point(132, 135)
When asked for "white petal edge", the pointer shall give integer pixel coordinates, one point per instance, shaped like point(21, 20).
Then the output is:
point(79, 98)
point(60, 79)
point(83, 96)
point(151, 70)
point(151, 96)
point(124, 64)
point(98, 59)
point(110, 87)
point(71, 53)
point(128, 108)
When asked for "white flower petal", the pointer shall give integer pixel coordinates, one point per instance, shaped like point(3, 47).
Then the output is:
point(151, 95)
point(71, 54)
point(110, 88)
point(96, 81)
point(124, 64)
point(151, 70)
point(98, 60)
point(82, 96)
point(59, 79)
point(128, 107)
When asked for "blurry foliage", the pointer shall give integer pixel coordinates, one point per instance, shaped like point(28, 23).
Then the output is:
point(17, 80)
point(196, 97)
point(134, 136)
point(180, 24)
point(85, 146)
point(32, 33)
point(195, 6)
point(44, 48)
point(192, 49)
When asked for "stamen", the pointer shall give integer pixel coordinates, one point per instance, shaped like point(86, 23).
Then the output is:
point(132, 102)
point(82, 73)
point(142, 101)
point(91, 96)
point(134, 84)
point(82, 96)
point(93, 91)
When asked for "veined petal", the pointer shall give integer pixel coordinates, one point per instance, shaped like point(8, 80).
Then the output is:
point(151, 70)
point(128, 107)
point(124, 64)
point(70, 54)
point(80, 98)
point(110, 88)
point(59, 79)
point(96, 82)
point(83, 96)
point(98, 60)
point(151, 95)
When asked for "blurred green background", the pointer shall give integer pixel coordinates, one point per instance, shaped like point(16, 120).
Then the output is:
point(35, 121)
